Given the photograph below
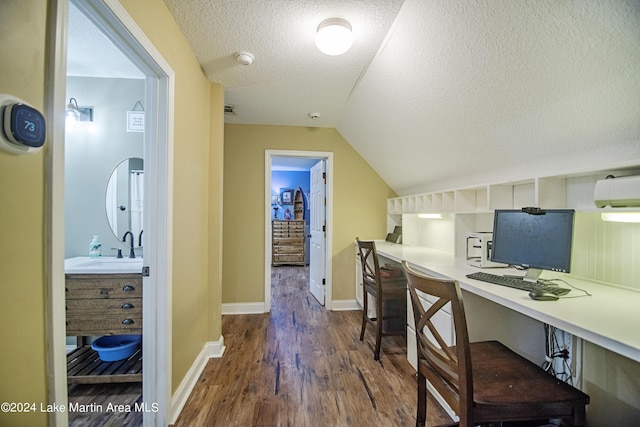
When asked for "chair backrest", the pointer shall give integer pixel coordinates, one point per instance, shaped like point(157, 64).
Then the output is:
point(370, 265)
point(448, 369)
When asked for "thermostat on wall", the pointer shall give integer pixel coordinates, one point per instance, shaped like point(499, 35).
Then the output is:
point(23, 128)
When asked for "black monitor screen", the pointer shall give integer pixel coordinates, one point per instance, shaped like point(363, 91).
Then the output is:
point(538, 241)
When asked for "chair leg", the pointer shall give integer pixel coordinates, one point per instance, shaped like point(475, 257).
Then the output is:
point(379, 317)
point(365, 308)
point(421, 413)
point(376, 354)
point(579, 417)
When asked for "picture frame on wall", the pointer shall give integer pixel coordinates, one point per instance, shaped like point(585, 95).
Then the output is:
point(287, 197)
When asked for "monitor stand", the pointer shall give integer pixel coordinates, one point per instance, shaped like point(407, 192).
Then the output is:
point(532, 275)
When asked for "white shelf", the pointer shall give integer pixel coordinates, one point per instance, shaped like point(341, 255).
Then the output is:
point(467, 210)
point(573, 190)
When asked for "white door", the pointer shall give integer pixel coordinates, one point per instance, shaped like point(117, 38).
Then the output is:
point(317, 228)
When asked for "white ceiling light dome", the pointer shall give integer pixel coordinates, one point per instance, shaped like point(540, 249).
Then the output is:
point(334, 36)
point(244, 58)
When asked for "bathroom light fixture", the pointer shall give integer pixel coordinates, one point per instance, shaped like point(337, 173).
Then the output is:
point(78, 114)
point(620, 216)
point(72, 112)
point(430, 216)
point(334, 36)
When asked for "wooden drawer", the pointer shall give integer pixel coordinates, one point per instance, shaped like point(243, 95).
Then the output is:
point(296, 227)
point(104, 325)
point(285, 241)
point(287, 250)
point(288, 258)
point(103, 304)
point(99, 307)
point(88, 286)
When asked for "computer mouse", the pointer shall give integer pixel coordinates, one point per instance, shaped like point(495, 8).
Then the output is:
point(540, 295)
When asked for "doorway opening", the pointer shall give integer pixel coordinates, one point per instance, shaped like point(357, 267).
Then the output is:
point(113, 23)
point(312, 180)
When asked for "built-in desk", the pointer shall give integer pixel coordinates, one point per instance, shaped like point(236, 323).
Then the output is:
point(610, 318)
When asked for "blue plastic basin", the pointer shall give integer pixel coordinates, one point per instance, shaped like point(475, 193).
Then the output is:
point(116, 347)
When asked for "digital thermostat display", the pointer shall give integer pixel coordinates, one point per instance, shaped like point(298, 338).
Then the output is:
point(26, 125)
point(23, 129)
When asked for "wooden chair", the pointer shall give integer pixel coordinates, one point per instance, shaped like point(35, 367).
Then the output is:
point(483, 382)
point(390, 294)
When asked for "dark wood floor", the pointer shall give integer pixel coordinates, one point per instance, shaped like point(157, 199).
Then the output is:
point(302, 365)
point(98, 405)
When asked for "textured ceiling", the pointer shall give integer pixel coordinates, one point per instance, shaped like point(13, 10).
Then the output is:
point(290, 77)
point(463, 88)
point(434, 93)
point(437, 92)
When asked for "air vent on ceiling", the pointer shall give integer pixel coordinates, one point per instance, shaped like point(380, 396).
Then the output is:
point(229, 110)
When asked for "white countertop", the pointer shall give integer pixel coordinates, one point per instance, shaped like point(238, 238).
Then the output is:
point(102, 265)
point(609, 318)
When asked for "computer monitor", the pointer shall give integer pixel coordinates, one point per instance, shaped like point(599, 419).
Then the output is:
point(540, 240)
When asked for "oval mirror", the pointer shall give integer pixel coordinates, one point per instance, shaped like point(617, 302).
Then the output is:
point(124, 199)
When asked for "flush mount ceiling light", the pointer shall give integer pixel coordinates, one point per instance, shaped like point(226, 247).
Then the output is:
point(334, 36)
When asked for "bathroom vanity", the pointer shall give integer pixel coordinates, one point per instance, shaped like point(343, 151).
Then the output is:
point(103, 297)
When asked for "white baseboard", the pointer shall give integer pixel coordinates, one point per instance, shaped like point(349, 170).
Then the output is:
point(258, 307)
point(243, 308)
point(213, 349)
point(345, 305)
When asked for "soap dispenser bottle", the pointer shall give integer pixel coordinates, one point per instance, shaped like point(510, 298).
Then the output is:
point(95, 248)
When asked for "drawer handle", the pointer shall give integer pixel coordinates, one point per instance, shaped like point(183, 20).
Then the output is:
point(128, 288)
point(127, 306)
point(128, 322)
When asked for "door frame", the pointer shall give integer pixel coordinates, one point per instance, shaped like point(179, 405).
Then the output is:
point(115, 23)
point(320, 155)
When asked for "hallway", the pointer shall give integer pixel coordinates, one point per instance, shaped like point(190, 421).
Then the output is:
point(301, 365)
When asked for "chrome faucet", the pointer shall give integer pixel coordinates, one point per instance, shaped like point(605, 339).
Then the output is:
point(132, 253)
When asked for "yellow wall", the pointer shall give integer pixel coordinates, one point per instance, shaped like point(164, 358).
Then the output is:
point(198, 142)
point(197, 102)
point(22, 289)
point(359, 205)
point(216, 165)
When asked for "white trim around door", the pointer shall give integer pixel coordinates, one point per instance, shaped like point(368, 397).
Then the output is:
point(115, 22)
point(328, 157)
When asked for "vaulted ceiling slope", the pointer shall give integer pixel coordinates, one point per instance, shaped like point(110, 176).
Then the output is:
point(464, 88)
point(437, 92)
